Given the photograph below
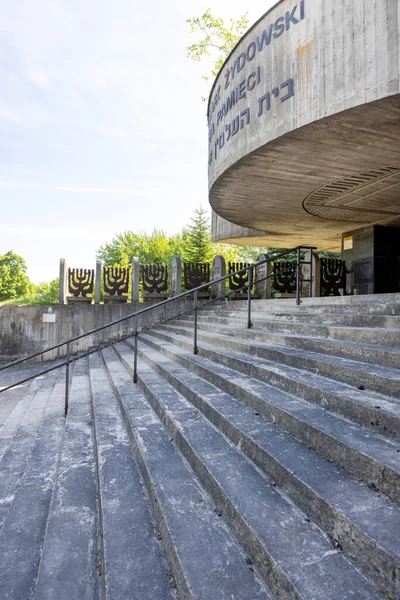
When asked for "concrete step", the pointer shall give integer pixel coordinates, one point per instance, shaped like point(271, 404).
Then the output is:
point(375, 378)
point(363, 335)
point(326, 318)
point(341, 506)
point(292, 554)
point(375, 411)
point(134, 564)
point(11, 398)
point(23, 532)
point(20, 439)
point(68, 563)
point(266, 467)
point(377, 304)
point(385, 356)
point(204, 557)
point(369, 456)
point(14, 414)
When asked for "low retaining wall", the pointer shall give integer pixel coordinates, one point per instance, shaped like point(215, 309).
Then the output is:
point(25, 330)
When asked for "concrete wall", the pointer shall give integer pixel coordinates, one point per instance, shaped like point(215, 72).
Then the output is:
point(340, 54)
point(224, 230)
point(23, 332)
point(316, 89)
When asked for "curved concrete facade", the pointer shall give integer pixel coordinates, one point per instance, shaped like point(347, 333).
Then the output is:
point(304, 125)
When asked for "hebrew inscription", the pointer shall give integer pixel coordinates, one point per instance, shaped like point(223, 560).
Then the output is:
point(245, 91)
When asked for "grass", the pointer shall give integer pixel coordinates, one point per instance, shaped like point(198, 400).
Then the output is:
point(27, 300)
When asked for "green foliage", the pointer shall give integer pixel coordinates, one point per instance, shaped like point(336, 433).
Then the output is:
point(192, 244)
point(14, 281)
point(47, 293)
point(329, 254)
point(198, 247)
point(154, 248)
point(250, 254)
point(217, 38)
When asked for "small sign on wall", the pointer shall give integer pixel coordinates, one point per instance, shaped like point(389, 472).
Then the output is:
point(348, 243)
point(49, 318)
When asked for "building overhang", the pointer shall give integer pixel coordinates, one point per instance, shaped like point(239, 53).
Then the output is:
point(304, 138)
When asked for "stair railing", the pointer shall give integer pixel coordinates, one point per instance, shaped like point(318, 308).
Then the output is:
point(135, 316)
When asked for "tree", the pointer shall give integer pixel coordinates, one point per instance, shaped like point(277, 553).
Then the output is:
point(153, 248)
point(198, 247)
point(48, 293)
point(14, 282)
point(217, 39)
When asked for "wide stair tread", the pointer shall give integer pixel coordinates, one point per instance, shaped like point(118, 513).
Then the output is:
point(385, 356)
point(368, 455)
point(20, 440)
point(205, 559)
point(293, 555)
point(23, 532)
point(369, 409)
point(385, 380)
point(14, 396)
point(308, 384)
point(344, 508)
point(134, 566)
point(354, 364)
point(13, 419)
point(327, 318)
point(385, 304)
point(68, 563)
point(382, 336)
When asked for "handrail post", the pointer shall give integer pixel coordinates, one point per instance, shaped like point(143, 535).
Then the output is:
point(135, 376)
point(298, 273)
point(311, 273)
point(195, 349)
point(250, 285)
point(67, 381)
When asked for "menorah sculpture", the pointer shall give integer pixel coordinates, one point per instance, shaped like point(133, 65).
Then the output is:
point(154, 282)
point(238, 283)
point(333, 276)
point(80, 284)
point(116, 284)
point(284, 278)
point(196, 274)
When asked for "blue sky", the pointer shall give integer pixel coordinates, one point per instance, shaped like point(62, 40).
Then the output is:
point(102, 127)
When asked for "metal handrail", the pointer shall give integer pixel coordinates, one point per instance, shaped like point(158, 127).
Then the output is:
point(193, 292)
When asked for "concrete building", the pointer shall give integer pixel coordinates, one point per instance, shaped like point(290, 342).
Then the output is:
point(304, 135)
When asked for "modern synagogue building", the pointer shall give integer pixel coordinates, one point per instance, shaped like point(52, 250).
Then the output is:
point(304, 135)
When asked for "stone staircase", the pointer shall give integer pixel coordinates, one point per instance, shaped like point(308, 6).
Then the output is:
point(267, 466)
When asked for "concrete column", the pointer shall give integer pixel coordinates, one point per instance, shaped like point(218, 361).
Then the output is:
point(135, 279)
point(263, 288)
point(219, 270)
point(305, 274)
point(63, 282)
point(176, 276)
point(316, 276)
point(97, 282)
